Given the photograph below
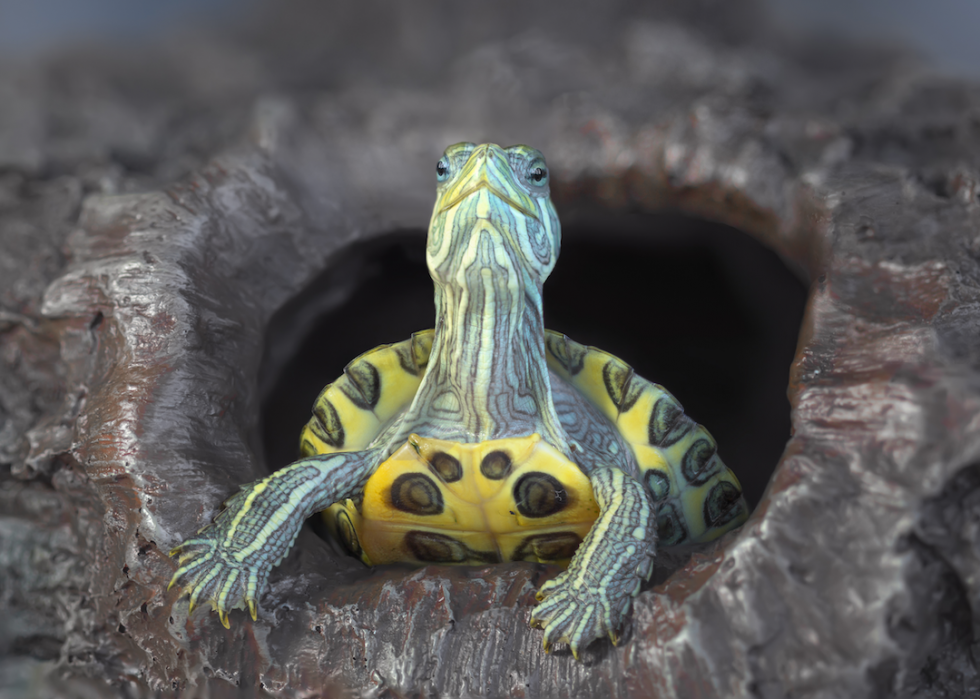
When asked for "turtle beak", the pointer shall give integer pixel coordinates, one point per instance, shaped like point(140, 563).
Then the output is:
point(488, 168)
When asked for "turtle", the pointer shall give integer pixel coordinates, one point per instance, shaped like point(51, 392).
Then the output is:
point(487, 439)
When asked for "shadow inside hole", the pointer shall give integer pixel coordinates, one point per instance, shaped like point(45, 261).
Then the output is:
point(698, 307)
point(373, 293)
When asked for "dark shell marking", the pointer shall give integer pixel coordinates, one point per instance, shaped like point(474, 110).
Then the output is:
point(670, 525)
point(547, 547)
point(446, 466)
point(698, 465)
point(363, 386)
point(432, 547)
point(416, 494)
point(617, 378)
point(724, 504)
point(347, 533)
point(496, 465)
point(326, 424)
point(570, 355)
point(657, 483)
point(668, 423)
point(539, 495)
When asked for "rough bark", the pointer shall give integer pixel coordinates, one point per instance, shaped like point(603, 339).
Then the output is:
point(156, 212)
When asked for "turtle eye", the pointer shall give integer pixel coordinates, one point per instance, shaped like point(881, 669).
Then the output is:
point(442, 170)
point(538, 174)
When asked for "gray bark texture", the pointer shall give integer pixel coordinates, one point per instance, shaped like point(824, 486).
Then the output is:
point(160, 204)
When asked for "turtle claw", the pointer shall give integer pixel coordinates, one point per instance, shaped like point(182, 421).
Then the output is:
point(592, 597)
point(229, 561)
point(575, 617)
point(209, 573)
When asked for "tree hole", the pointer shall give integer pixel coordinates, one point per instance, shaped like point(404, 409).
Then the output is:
point(698, 307)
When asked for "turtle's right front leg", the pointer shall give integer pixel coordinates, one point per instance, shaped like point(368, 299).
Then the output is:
point(592, 597)
point(229, 561)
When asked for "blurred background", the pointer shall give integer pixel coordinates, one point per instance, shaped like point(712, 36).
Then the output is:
point(131, 95)
point(942, 32)
point(118, 96)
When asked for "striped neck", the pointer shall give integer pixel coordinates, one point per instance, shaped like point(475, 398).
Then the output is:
point(487, 376)
point(491, 245)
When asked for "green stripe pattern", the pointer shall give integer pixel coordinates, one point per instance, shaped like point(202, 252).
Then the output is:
point(493, 239)
point(490, 371)
point(593, 596)
point(229, 563)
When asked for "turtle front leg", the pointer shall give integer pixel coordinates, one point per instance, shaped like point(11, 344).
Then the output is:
point(593, 596)
point(229, 561)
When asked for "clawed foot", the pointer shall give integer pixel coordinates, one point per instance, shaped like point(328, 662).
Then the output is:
point(210, 572)
point(578, 614)
point(593, 597)
point(229, 562)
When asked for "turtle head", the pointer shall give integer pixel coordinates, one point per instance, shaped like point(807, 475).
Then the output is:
point(493, 212)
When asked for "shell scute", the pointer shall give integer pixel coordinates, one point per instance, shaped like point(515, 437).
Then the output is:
point(541, 507)
point(569, 354)
point(618, 379)
point(362, 384)
point(374, 388)
point(698, 497)
point(325, 425)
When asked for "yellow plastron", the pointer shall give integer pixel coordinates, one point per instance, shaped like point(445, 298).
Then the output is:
point(435, 501)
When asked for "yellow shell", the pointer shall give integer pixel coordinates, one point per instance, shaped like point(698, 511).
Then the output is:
point(677, 457)
point(698, 497)
point(434, 501)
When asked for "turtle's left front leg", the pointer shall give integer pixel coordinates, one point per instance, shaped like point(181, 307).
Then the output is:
point(229, 561)
point(592, 597)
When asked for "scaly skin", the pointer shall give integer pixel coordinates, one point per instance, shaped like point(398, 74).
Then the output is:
point(493, 239)
point(229, 562)
point(592, 597)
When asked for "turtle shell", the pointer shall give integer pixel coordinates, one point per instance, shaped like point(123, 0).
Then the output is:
point(437, 501)
point(434, 501)
point(698, 497)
